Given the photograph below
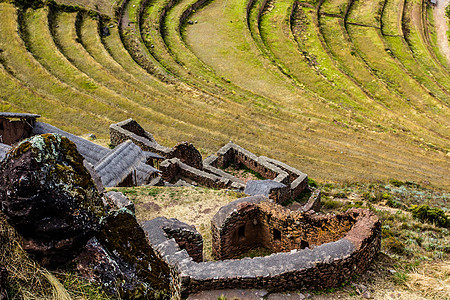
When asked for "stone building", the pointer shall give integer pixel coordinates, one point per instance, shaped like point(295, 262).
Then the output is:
point(15, 127)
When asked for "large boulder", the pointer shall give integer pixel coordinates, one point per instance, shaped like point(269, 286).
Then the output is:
point(49, 197)
point(3, 282)
point(123, 262)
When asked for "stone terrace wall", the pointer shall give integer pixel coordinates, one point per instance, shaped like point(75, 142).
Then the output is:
point(322, 267)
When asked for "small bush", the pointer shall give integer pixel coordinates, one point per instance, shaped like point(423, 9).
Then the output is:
point(312, 182)
point(394, 245)
point(400, 278)
point(340, 195)
point(331, 204)
point(433, 215)
point(395, 204)
point(396, 182)
point(386, 196)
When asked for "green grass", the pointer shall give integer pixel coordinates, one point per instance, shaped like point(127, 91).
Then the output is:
point(337, 7)
point(307, 87)
point(391, 18)
point(432, 38)
point(367, 12)
point(417, 41)
point(27, 70)
point(372, 49)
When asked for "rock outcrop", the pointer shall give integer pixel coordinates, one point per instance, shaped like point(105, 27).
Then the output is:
point(3, 282)
point(49, 197)
point(123, 262)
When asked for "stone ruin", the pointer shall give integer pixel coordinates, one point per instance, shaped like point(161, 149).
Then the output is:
point(136, 154)
point(131, 130)
point(182, 164)
point(15, 127)
point(68, 218)
point(313, 251)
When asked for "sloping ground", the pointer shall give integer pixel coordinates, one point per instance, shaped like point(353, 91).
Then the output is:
point(442, 27)
point(344, 90)
point(413, 263)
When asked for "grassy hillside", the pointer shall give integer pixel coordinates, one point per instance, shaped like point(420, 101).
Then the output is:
point(343, 90)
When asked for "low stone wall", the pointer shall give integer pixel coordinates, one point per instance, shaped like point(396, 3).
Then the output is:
point(232, 154)
point(210, 166)
point(209, 172)
point(186, 236)
point(131, 130)
point(297, 179)
point(323, 266)
point(173, 169)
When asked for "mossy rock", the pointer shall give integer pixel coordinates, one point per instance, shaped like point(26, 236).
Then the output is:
point(49, 197)
point(144, 275)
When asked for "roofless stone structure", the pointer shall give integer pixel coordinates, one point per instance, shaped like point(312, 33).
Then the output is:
point(316, 251)
point(15, 127)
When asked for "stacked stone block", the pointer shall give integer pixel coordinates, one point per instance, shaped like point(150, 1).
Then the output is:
point(337, 259)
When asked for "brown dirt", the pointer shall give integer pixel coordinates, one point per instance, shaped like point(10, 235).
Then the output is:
point(441, 27)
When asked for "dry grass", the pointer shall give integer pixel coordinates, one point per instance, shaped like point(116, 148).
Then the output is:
point(432, 281)
point(28, 280)
point(194, 206)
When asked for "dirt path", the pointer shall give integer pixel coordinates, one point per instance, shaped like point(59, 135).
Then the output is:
point(441, 27)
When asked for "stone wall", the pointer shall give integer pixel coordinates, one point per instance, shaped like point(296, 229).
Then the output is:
point(232, 154)
point(131, 130)
point(255, 222)
point(210, 166)
point(336, 260)
point(173, 170)
point(297, 179)
point(209, 172)
point(186, 236)
point(12, 132)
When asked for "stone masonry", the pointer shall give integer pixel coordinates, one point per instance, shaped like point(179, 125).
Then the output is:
point(329, 259)
point(131, 130)
point(253, 222)
point(294, 180)
point(185, 162)
point(186, 236)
